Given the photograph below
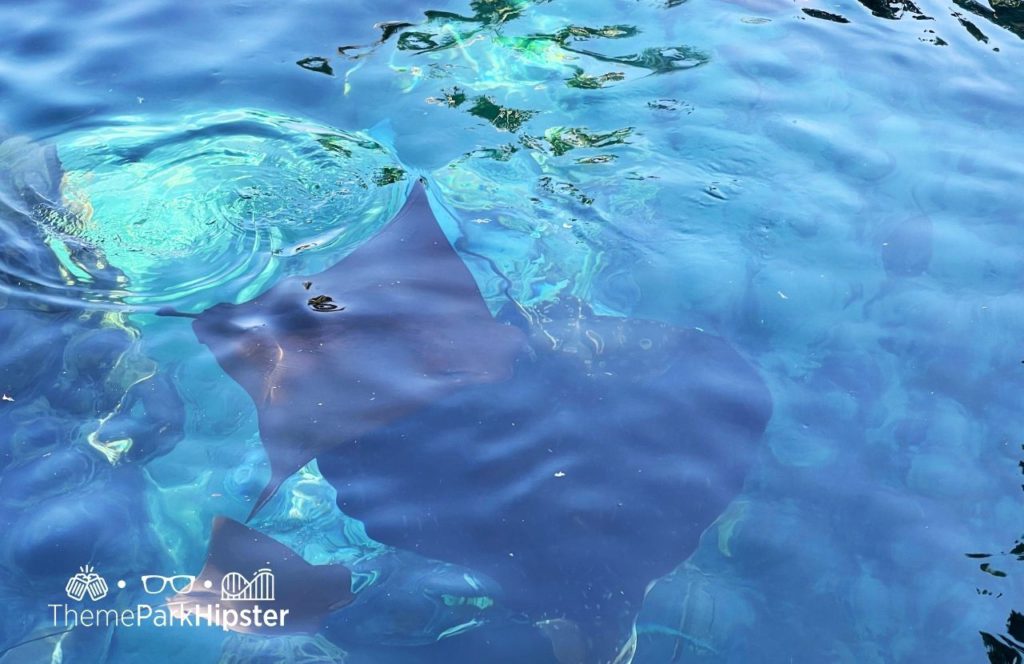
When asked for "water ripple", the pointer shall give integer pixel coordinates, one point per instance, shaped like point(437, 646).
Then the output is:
point(212, 207)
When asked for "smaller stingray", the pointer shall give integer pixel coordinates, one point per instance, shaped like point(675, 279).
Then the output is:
point(319, 355)
point(307, 592)
point(31, 210)
point(30, 175)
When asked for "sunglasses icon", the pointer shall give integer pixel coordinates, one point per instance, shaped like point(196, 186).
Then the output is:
point(155, 584)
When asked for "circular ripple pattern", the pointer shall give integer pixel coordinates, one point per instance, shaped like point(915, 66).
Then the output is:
point(216, 207)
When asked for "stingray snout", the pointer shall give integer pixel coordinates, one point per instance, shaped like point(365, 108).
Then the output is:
point(215, 320)
point(224, 323)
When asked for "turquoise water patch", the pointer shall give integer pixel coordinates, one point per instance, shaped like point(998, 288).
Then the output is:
point(214, 207)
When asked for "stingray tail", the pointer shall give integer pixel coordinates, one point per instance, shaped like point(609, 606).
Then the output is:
point(244, 565)
point(384, 133)
point(268, 492)
point(171, 311)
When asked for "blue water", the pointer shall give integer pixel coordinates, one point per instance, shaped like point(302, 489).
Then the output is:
point(833, 189)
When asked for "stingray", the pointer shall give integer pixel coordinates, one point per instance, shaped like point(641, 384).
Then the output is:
point(570, 456)
point(32, 213)
point(397, 324)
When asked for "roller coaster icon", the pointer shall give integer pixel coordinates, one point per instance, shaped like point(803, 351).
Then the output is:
point(234, 586)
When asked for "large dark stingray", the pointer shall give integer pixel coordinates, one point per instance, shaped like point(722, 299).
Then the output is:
point(572, 457)
point(395, 325)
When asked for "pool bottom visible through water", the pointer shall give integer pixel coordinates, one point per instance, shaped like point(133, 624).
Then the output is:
point(712, 356)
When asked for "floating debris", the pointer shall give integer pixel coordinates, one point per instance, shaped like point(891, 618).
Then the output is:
point(582, 32)
point(389, 28)
point(657, 60)
point(324, 303)
point(502, 118)
point(934, 39)
point(565, 188)
point(388, 175)
point(317, 64)
point(597, 159)
point(670, 106)
point(452, 98)
point(566, 139)
point(585, 81)
point(422, 42)
point(894, 10)
point(826, 16)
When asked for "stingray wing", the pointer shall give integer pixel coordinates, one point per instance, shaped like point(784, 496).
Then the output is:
point(592, 472)
point(245, 567)
point(397, 324)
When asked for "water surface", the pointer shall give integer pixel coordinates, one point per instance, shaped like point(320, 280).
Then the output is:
point(833, 188)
